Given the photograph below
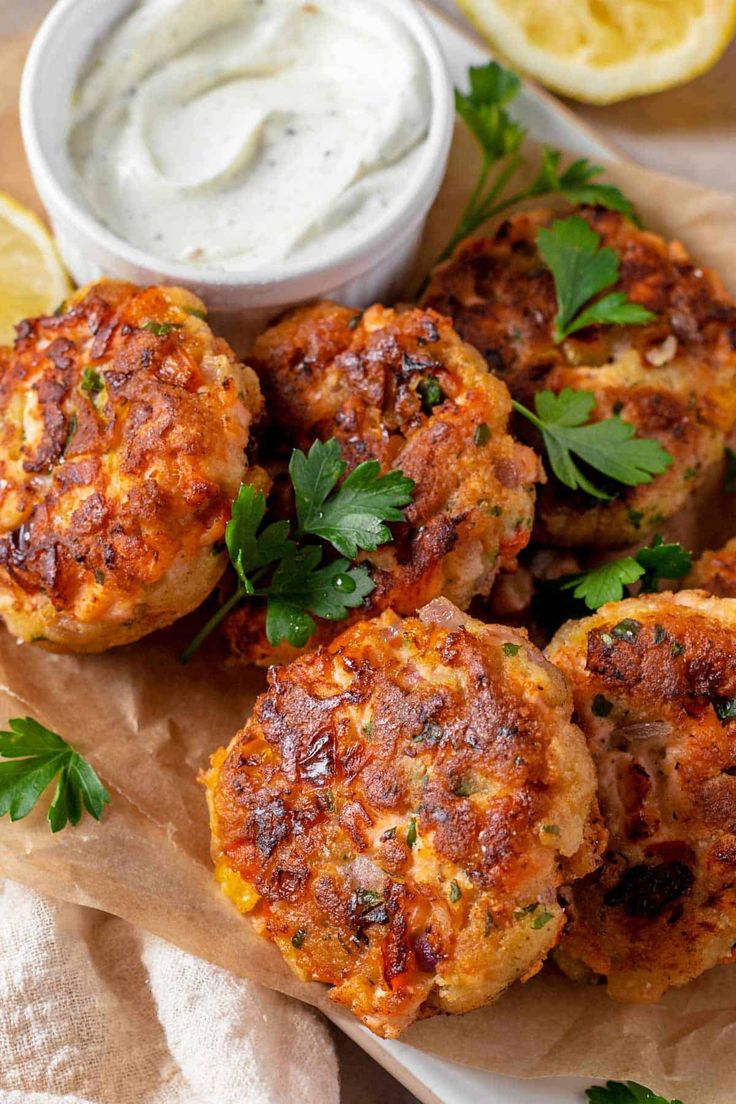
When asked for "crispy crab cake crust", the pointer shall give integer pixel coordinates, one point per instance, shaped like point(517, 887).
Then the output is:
point(673, 378)
point(121, 449)
point(652, 697)
point(715, 572)
point(400, 810)
point(328, 371)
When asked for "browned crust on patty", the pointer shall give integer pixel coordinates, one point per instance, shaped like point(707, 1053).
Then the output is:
point(715, 572)
point(404, 801)
point(328, 371)
point(652, 681)
point(121, 450)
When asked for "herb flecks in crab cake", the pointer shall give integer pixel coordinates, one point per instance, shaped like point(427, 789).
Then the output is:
point(401, 388)
point(673, 378)
point(400, 810)
point(123, 428)
point(654, 685)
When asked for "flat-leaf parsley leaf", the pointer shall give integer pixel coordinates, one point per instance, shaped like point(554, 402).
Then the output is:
point(483, 108)
point(663, 561)
point(353, 515)
point(615, 1092)
point(350, 517)
point(609, 447)
point(576, 184)
point(301, 586)
point(607, 582)
point(36, 756)
point(581, 269)
point(250, 549)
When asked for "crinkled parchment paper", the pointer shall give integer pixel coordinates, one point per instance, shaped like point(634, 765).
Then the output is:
point(148, 725)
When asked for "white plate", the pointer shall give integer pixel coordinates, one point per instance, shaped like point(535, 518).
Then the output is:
point(434, 1080)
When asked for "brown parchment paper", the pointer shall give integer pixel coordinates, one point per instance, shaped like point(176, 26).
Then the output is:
point(148, 725)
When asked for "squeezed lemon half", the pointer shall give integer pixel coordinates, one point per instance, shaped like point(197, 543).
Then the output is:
point(601, 51)
point(32, 277)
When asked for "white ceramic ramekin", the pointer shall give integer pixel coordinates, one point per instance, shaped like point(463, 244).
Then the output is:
point(239, 305)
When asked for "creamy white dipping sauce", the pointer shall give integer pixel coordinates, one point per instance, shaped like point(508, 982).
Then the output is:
point(243, 133)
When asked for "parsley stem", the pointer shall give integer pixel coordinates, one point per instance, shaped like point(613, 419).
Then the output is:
point(486, 209)
point(526, 413)
point(479, 208)
point(470, 206)
point(518, 197)
point(217, 618)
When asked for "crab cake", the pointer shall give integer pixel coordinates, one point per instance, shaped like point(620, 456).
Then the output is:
point(654, 684)
point(715, 572)
point(403, 389)
point(123, 429)
point(674, 378)
point(399, 812)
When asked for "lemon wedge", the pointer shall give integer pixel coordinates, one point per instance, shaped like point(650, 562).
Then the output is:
point(601, 51)
point(32, 278)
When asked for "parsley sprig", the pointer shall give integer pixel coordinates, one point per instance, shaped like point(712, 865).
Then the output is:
point(36, 756)
point(272, 563)
point(607, 582)
point(354, 515)
point(484, 110)
point(609, 446)
point(615, 1092)
point(581, 270)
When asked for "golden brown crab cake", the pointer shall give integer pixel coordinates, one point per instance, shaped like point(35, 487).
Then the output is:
point(654, 685)
point(400, 810)
point(123, 428)
point(715, 572)
point(674, 378)
point(403, 389)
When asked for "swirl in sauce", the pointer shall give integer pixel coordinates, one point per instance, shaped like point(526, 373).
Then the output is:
point(241, 133)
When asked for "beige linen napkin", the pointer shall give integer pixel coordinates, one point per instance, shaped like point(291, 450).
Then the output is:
point(94, 1011)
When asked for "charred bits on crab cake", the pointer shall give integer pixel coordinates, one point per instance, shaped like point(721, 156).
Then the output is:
point(674, 378)
point(654, 684)
point(123, 428)
point(402, 389)
point(400, 810)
